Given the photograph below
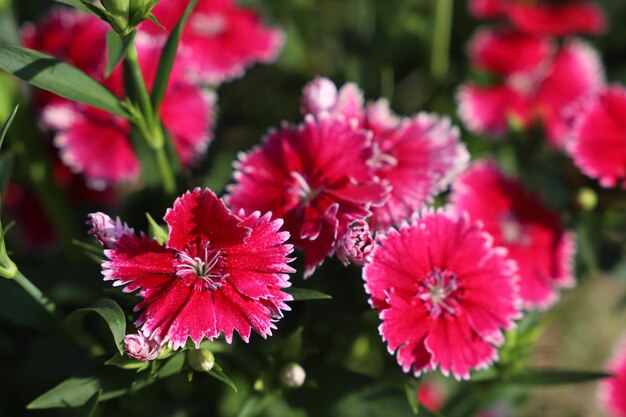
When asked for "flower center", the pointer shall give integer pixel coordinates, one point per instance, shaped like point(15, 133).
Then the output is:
point(212, 24)
point(302, 189)
point(439, 291)
point(512, 230)
point(201, 266)
point(382, 160)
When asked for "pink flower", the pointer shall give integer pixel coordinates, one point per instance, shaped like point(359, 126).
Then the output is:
point(98, 145)
point(598, 144)
point(544, 17)
point(532, 233)
point(106, 230)
point(221, 39)
point(216, 273)
point(140, 347)
point(429, 397)
point(356, 245)
point(321, 96)
point(539, 93)
point(315, 176)
point(444, 294)
point(418, 156)
point(611, 390)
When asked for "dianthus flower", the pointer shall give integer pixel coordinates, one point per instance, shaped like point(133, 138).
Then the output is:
point(417, 156)
point(217, 272)
point(221, 39)
point(545, 18)
point(598, 144)
point(537, 89)
point(532, 233)
point(316, 176)
point(612, 390)
point(96, 143)
point(444, 294)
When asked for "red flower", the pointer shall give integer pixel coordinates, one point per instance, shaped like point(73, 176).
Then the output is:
point(544, 17)
point(611, 390)
point(532, 233)
point(444, 294)
point(216, 273)
point(598, 144)
point(316, 177)
point(418, 156)
point(538, 90)
point(221, 40)
point(97, 144)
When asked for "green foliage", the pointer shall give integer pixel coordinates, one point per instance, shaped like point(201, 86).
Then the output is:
point(112, 314)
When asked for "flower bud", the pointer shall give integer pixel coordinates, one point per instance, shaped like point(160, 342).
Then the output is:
point(117, 7)
point(140, 347)
point(106, 230)
point(293, 375)
point(8, 269)
point(200, 360)
point(319, 95)
point(356, 245)
point(587, 199)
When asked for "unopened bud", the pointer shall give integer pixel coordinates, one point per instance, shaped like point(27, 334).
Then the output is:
point(293, 375)
point(200, 360)
point(587, 199)
point(106, 230)
point(140, 347)
point(117, 7)
point(356, 245)
point(319, 95)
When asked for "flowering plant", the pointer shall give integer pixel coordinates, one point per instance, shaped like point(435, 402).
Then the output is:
point(408, 238)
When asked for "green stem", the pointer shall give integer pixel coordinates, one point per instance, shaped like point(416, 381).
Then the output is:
point(153, 131)
point(441, 39)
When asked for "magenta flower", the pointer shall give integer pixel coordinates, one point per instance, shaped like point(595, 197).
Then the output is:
point(598, 144)
point(316, 176)
point(140, 347)
point(540, 93)
point(611, 390)
point(418, 156)
point(221, 39)
point(356, 245)
point(533, 234)
point(216, 273)
point(106, 230)
point(544, 17)
point(444, 294)
point(98, 145)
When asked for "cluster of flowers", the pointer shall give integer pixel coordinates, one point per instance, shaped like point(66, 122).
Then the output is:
point(219, 43)
point(541, 78)
point(355, 180)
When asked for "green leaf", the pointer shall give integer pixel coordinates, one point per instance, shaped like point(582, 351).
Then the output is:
point(173, 365)
point(111, 312)
point(218, 373)
point(411, 396)
point(156, 231)
point(77, 4)
point(168, 54)
point(117, 45)
point(7, 125)
point(555, 377)
point(51, 74)
point(125, 362)
point(89, 409)
point(302, 294)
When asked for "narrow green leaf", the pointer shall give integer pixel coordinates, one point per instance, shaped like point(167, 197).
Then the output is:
point(156, 231)
point(411, 397)
point(302, 294)
point(89, 409)
point(77, 4)
point(168, 54)
point(218, 373)
point(173, 366)
point(111, 312)
point(125, 362)
point(58, 77)
point(7, 125)
point(73, 392)
point(555, 377)
point(117, 46)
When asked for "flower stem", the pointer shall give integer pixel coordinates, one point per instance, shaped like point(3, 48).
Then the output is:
point(441, 39)
point(153, 131)
point(36, 293)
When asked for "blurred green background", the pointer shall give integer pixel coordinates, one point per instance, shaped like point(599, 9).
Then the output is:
point(386, 46)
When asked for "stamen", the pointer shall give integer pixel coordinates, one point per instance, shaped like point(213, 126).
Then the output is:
point(438, 292)
point(203, 266)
